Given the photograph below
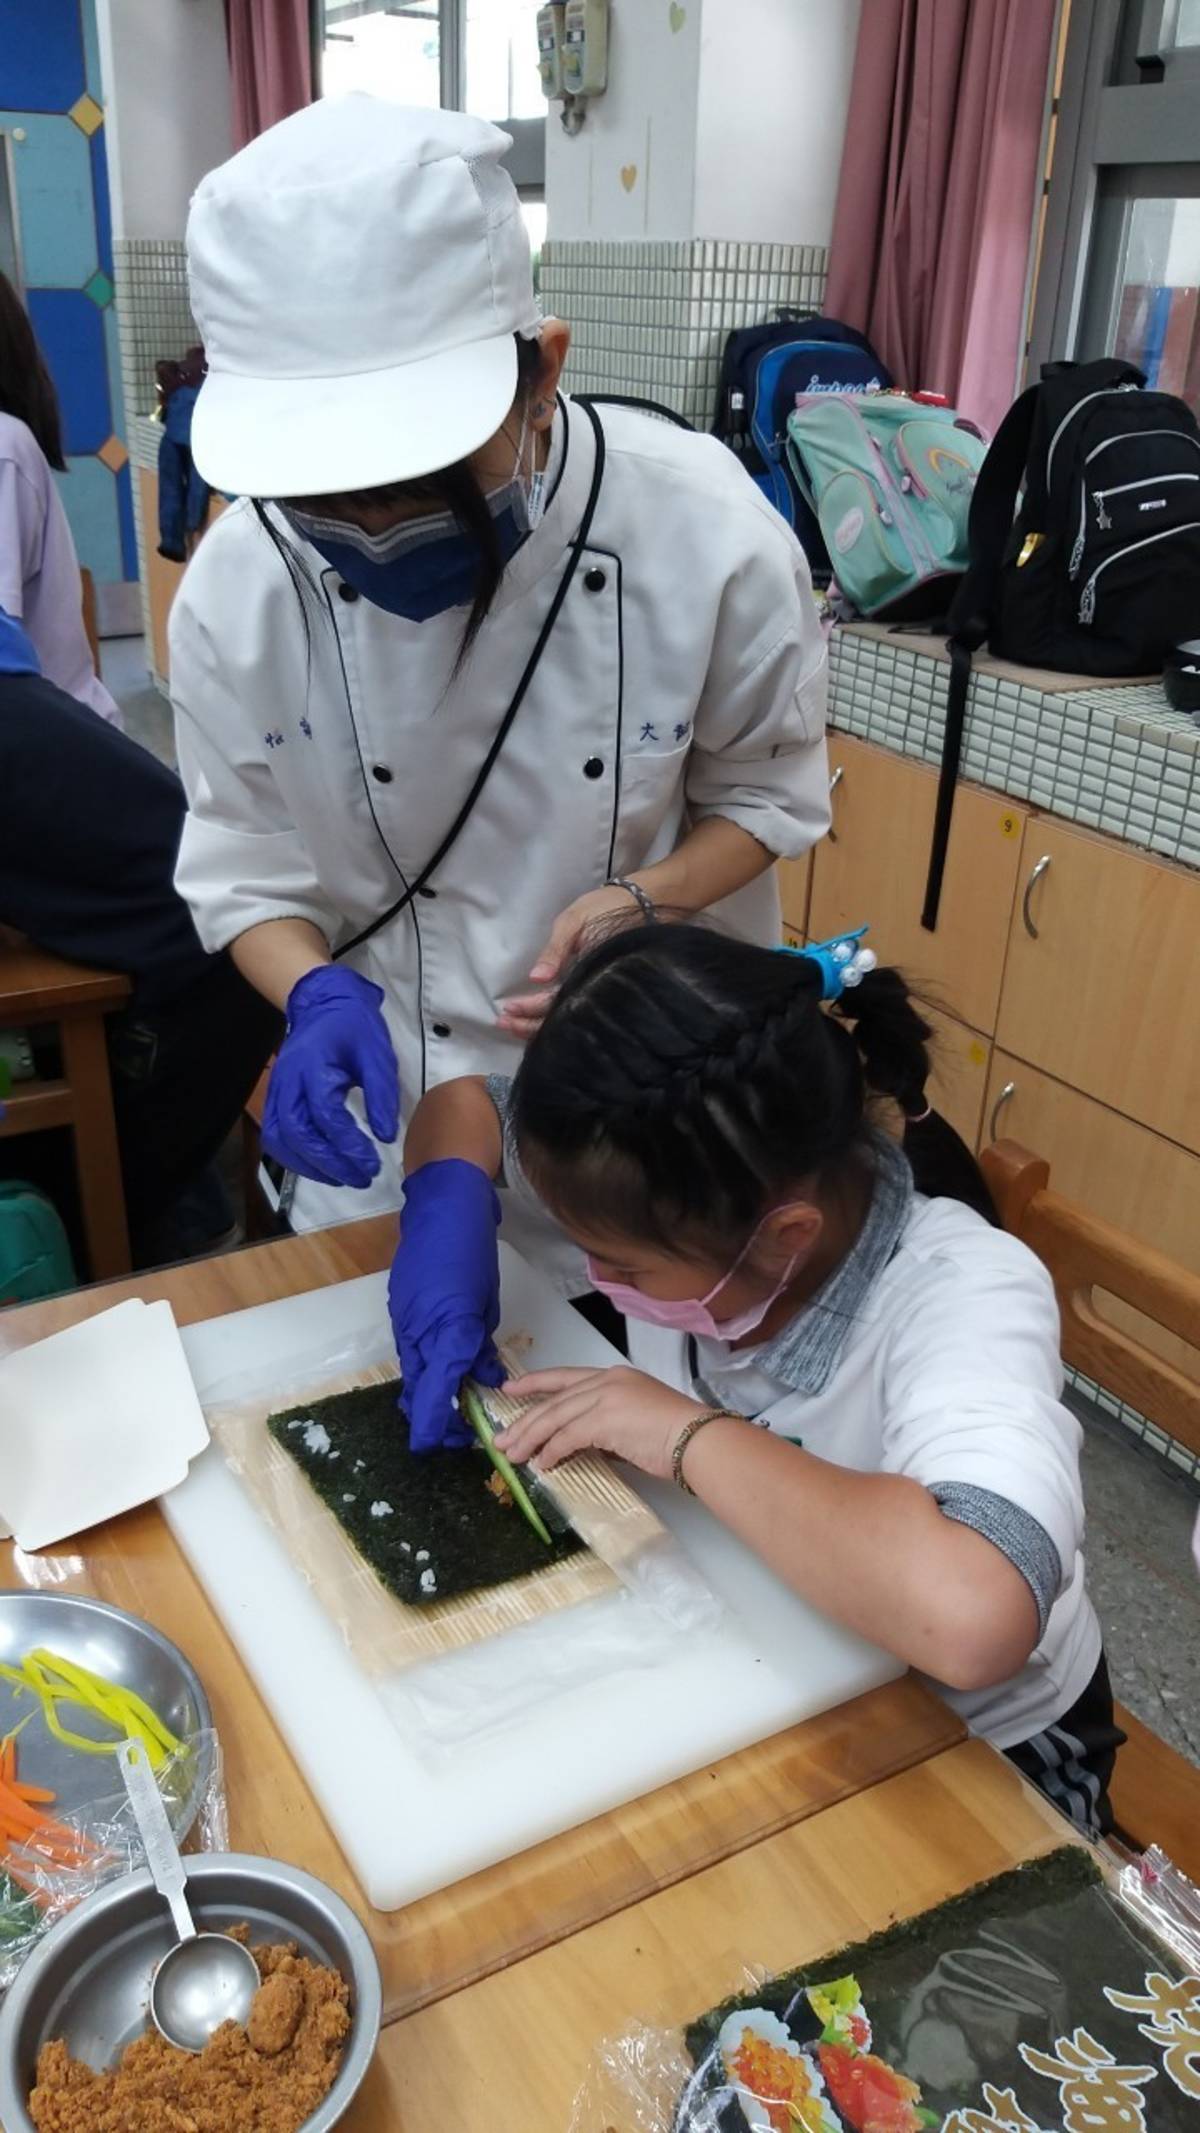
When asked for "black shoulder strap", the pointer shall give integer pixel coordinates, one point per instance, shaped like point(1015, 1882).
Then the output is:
point(989, 528)
point(646, 407)
point(506, 724)
point(993, 504)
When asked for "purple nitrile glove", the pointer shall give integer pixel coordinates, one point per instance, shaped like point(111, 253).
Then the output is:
point(336, 1040)
point(444, 1297)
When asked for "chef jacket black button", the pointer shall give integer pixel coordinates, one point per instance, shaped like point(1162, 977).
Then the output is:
point(594, 767)
point(426, 892)
point(381, 774)
point(441, 1029)
point(595, 581)
point(347, 592)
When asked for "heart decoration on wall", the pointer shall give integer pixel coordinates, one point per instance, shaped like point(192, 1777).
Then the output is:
point(676, 16)
point(629, 176)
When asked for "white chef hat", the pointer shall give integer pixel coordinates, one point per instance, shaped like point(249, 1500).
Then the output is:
point(358, 274)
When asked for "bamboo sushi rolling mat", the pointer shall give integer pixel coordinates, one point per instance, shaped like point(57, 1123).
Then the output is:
point(382, 1632)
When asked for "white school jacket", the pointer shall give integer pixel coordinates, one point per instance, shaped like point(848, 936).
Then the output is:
point(685, 677)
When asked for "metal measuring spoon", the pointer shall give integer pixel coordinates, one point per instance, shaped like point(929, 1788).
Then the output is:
point(207, 1978)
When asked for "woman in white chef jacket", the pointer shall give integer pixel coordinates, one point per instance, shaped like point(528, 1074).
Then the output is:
point(569, 655)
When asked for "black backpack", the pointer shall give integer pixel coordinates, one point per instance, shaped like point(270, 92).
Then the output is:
point(1099, 572)
point(762, 370)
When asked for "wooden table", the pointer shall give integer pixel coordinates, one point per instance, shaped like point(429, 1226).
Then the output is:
point(37, 987)
point(510, 2054)
point(544, 1895)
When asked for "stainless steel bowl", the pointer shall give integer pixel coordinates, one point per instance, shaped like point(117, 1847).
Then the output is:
point(124, 1650)
point(89, 1981)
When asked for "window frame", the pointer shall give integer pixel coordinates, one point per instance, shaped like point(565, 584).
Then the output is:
point(526, 163)
point(1128, 127)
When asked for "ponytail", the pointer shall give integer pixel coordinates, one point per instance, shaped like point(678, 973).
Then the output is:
point(891, 1036)
point(683, 1081)
point(893, 1042)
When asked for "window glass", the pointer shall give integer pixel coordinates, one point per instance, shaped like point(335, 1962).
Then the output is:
point(502, 60)
point(1157, 323)
point(385, 49)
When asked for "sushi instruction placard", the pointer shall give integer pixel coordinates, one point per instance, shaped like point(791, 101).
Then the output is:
point(1035, 2004)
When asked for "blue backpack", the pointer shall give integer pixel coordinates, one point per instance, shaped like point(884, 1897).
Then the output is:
point(763, 369)
point(890, 480)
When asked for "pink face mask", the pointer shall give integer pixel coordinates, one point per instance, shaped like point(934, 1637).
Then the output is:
point(692, 1314)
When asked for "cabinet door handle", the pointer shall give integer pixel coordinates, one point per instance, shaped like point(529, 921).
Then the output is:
point(1030, 886)
point(1007, 1092)
point(834, 782)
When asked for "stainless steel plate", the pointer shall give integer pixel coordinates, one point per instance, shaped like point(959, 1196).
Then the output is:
point(89, 1982)
point(123, 1650)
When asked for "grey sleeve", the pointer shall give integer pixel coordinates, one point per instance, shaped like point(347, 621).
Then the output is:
point(1013, 1531)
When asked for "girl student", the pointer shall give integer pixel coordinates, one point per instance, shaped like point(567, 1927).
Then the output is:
point(40, 586)
point(860, 1378)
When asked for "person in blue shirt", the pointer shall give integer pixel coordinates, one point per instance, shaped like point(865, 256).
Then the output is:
point(89, 830)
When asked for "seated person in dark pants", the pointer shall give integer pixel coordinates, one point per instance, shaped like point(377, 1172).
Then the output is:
point(89, 829)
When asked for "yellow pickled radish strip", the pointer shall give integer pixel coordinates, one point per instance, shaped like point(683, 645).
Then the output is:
point(123, 1706)
point(55, 1680)
point(103, 1697)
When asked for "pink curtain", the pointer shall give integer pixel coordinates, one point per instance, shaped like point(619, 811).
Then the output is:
point(935, 202)
point(270, 62)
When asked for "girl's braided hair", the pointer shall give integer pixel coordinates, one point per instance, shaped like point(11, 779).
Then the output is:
point(683, 1082)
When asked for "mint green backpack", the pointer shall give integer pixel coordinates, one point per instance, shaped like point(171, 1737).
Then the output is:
point(35, 1258)
point(890, 480)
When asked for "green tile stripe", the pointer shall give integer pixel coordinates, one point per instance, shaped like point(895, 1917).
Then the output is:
point(1118, 760)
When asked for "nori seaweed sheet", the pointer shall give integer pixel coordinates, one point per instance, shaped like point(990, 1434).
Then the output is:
point(444, 1532)
point(952, 1992)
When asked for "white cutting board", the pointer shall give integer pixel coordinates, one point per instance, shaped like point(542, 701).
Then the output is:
point(411, 1815)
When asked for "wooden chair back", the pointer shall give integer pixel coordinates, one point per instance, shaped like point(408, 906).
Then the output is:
point(1084, 1254)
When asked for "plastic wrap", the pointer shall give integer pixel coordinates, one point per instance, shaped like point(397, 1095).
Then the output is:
point(1157, 1892)
point(100, 1843)
point(630, 1593)
point(1051, 1996)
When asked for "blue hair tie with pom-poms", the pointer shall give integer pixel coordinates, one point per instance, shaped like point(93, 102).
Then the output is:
point(841, 962)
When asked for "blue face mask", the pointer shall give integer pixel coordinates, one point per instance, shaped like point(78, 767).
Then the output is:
point(423, 567)
point(432, 574)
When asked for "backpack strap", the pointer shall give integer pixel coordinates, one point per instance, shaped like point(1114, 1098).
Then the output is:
point(989, 529)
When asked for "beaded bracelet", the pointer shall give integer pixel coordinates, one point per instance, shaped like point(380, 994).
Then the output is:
point(689, 1430)
point(634, 889)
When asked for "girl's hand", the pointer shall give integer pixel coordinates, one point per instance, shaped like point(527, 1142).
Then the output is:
point(523, 1016)
point(618, 1410)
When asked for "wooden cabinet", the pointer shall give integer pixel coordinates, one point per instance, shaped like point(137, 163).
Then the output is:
point(871, 868)
point(1065, 967)
point(795, 880)
point(163, 579)
point(1103, 978)
point(958, 1083)
point(1108, 1164)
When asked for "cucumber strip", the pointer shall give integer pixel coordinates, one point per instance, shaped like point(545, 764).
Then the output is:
point(485, 1429)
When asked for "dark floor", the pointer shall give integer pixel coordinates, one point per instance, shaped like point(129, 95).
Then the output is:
point(1143, 1578)
point(1140, 1512)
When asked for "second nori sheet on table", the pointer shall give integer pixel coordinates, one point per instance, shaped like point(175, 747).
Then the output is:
point(444, 1532)
point(957, 1995)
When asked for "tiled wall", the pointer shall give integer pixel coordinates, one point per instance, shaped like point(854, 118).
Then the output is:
point(152, 304)
point(54, 117)
point(651, 318)
point(1116, 759)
